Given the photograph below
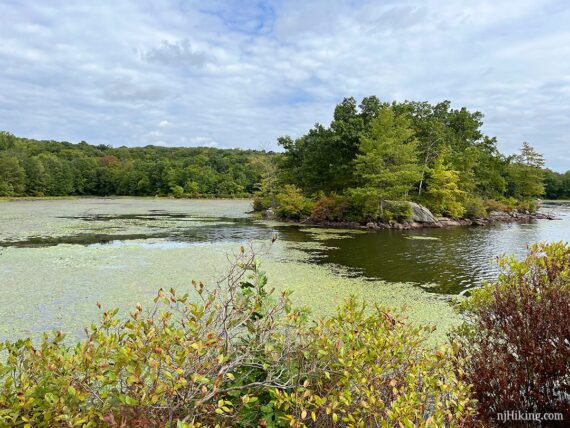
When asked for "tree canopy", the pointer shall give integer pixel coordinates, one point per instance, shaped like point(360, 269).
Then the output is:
point(429, 153)
point(50, 168)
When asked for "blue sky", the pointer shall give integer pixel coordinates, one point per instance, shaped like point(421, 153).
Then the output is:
point(242, 73)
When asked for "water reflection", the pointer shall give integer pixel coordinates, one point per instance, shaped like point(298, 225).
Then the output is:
point(456, 260)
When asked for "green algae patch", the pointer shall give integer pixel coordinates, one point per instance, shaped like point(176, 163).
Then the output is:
point(67, 282)
point(326, 234)
point(74, 253)
point(323, 288)
point(23, 220)
point(333, 231)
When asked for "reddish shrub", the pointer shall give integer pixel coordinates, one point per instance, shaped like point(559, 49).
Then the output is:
point(517, 337)
point(331, 208)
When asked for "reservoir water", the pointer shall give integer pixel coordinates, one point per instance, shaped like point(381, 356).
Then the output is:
point(58, 258)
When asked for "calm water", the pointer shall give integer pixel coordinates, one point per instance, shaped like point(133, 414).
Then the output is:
point(438, 260)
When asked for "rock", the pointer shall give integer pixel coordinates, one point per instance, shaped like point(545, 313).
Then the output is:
point(371, 225)
point(269, 214)
point(421, 214)
point(500, 216)
point(448, 222)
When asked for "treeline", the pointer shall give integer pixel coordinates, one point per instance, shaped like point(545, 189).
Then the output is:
point(374, 152)
point(556, 185)
point(50, 168)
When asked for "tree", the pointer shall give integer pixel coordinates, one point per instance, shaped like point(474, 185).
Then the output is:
point(7, 140)
point(36, 177)
point(59, 176)
point(290, 202)
point(177, 191)
point(12, 176)
point(387, 161)
point(557, 185)
point(443, 193)
point(62, 168)
point(526, 173)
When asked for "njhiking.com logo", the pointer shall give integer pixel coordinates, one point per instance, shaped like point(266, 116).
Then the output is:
point(517, 415)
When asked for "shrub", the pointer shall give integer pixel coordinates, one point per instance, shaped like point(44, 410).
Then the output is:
point(516, 335)
point(503, 205)
point(262, 202)
point(368, 368)
point(474, 207)
point(177, 191)
point(395, 210)
point(331, 208)
point(291, 203)
point(367, 206)
point(211, 363)
point(192, 188)
point(528, 205)
point(366, 203)
point(236, 356)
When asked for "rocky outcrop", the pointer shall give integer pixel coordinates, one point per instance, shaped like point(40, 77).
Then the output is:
point(421, 217)
point(421, 214)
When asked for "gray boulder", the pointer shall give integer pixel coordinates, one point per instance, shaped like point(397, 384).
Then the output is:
point(421, 214)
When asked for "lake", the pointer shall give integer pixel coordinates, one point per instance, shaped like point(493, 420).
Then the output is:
point(58, 258)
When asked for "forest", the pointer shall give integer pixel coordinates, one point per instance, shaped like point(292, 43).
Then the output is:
point(373, 151)
point(49, 168)
point(375, 154)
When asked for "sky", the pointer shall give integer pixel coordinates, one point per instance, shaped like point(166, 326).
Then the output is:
point(241, 73)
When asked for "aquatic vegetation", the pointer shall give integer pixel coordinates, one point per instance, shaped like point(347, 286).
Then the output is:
point(74, 267)
point(67, 281)
point(322, 234)
point(239, 355)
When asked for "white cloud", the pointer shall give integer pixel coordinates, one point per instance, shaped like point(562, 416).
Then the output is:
point(240, 74)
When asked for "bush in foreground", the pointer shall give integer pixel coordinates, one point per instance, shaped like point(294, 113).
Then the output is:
point(516, 339)
point(367, 368)
point(238, 357)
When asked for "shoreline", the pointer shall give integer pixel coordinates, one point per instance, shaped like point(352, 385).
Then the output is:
point(441, 222)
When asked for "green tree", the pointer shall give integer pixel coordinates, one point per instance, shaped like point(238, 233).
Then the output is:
point(443, 193)
point(36, 177)
point(290, 203)
point(59, 175)
point(526, 173)
point(7, 140)
point(387, 161)
point(12, 176)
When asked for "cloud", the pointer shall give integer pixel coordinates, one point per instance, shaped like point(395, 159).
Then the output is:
point(202, 142)
point(127, 90)
point(177, 54)
point(240, 74)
